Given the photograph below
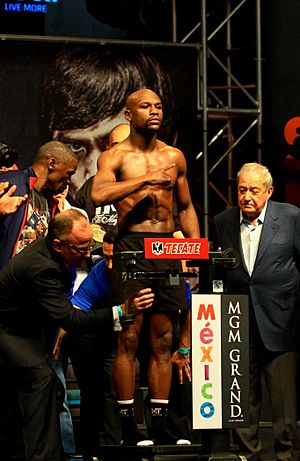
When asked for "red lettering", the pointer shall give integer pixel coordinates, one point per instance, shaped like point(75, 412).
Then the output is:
point(206, 312)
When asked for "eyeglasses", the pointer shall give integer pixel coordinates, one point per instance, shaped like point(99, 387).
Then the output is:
point(82, 251)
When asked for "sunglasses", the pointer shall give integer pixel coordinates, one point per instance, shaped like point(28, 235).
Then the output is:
point(82, 251)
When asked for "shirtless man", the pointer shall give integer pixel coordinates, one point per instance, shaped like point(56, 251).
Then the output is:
point(142, 176)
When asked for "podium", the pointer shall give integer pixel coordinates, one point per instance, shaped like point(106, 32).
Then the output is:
point(220, 360)
point(220, 369)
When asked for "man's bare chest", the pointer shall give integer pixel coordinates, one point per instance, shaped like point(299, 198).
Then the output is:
point(135, 165)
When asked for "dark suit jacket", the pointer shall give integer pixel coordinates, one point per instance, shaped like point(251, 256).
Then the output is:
point(33, 298)
point(273, 287)
point(11, 225)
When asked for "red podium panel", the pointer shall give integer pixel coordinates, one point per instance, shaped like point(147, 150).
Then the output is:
point(173, 248)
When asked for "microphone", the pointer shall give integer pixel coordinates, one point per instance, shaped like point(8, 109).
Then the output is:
point(228, 259)
point(221, 263)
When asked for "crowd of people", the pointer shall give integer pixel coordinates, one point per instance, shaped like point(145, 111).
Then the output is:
point(42, 205)
point(63, 294)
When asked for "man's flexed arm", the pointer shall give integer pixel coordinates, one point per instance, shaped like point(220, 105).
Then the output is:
point(107, 189)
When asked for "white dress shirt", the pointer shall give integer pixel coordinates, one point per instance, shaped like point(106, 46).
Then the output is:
point(250, 238)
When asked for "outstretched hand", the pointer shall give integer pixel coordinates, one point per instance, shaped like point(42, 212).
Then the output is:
point(3, 186)
point(182, 362)
point(10, 203)
point(139, 301)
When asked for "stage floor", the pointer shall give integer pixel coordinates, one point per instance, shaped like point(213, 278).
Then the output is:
point(175, 453)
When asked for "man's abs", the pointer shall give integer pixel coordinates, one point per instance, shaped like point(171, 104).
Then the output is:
point(150, 213)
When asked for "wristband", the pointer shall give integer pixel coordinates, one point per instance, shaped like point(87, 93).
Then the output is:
point(184, 350)
point(120, 312)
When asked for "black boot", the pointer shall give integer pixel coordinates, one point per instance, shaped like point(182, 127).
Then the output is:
point(159, 430)
point(130, 433)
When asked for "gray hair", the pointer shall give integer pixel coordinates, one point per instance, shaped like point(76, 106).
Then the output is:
point(61, 225)
point(259, 169)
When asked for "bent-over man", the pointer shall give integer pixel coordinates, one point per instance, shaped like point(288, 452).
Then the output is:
point(34, 289)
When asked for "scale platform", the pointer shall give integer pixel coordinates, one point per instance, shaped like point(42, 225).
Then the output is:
point(161, 453)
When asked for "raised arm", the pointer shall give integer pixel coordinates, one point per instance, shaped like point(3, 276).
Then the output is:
point(108, 188)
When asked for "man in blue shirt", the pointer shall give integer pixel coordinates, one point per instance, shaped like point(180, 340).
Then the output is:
point(92, 358)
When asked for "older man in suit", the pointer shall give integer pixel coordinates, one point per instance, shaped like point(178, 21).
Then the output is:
point(267, 236)
point(33, 298)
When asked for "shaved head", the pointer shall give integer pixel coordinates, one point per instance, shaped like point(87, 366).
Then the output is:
point(138, 95)
point(54, 149)
point(144, 111)
point(118, 134)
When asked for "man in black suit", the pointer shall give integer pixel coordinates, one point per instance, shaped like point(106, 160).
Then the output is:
point(34, 289)
point(267, 236)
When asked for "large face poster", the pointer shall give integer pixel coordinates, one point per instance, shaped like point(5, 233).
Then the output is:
point(76, 92)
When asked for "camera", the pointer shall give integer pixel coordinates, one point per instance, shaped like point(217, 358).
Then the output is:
point(8, 156)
